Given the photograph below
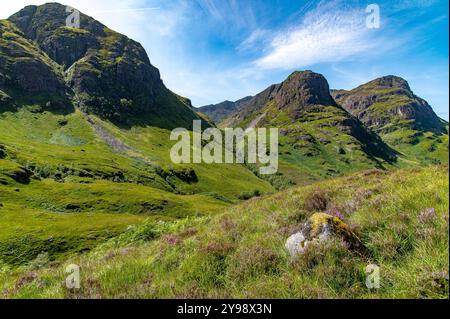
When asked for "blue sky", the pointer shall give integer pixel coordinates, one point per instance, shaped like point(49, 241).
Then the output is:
point(213, 50)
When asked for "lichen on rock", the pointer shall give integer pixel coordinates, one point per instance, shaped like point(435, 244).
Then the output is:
point(319, 228)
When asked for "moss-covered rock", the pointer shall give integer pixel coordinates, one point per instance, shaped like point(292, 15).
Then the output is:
point(320, 228)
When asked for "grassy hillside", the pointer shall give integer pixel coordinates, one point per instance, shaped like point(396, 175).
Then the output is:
point(418, 148)
point(71, 182)
point(401, 217)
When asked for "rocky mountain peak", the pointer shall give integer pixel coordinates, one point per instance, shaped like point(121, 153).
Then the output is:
point(389, 82)
point(304, 88)
point(46, 25)
point(389, 101)
point(106, 73)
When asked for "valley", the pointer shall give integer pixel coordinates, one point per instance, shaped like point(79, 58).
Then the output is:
point(86, 178)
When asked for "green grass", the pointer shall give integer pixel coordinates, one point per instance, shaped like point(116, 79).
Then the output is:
point(49, 142)
point(419, 148)
point(316, 146)
point(240, 253)
point(61, 180)
point(77, 217)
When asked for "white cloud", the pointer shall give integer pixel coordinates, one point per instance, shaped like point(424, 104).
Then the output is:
point(254, 41)
point(326, 34)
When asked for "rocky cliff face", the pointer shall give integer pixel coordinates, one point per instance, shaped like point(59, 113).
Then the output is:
point(105, 73)
point(26, 71)
point(387, 104)
point(302, 90)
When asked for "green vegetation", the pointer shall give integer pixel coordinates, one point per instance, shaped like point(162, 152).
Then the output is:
point(406, 122)
point(317, 146)
point(401, 218)
point(63, 179)
point(86, 178)
point(419, 148)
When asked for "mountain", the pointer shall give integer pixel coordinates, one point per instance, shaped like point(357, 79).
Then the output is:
point(389, 103)
point(92, 67)
point(318, 137)
point(251, 106)
point(217, 112)
point(86, 177)
point(85, 126)
point(389, 107)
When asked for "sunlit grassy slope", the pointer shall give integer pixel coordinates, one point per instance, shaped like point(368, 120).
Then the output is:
point(418, 148)
point(401, 217)
point(70, 182)
point(318, 146)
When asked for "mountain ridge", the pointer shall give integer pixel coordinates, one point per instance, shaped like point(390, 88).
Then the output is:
point(365, 100)
point(97, 69)
point(217, 112)
point(388, 106)
point(315, 131)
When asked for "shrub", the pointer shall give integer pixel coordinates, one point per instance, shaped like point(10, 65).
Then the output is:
point(249, 195)
point(253, 261)
point(39, 262)
point(2, 151)
point(317, 201)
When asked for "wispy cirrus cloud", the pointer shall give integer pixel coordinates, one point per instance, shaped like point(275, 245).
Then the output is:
point(328, 33)
point(235, 14)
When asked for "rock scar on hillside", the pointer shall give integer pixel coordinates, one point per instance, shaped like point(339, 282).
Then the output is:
point(110, 140)
point(115, 143)
point(256, 121)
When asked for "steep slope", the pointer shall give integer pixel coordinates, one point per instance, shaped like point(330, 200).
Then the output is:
point(318, 138)
point(76, 172)
point(27, 73)
point(250, 107)
point(217, 112)
point(389, 107)
point(105, 73)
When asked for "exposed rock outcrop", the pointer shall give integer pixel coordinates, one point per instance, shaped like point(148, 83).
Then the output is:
point(387, 102)
point(100, 71)
point(320, 228)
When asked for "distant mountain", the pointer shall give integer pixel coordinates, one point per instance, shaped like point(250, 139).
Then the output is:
point(217, 112)
point(250, 106)
point(388, 103)
point(318, 137)
point(99, 70)
point(388, 106)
